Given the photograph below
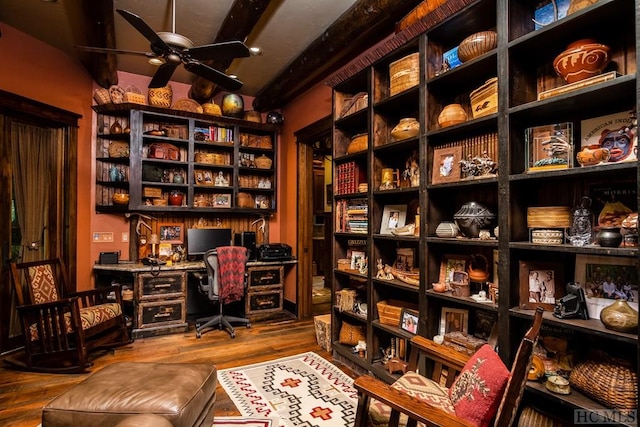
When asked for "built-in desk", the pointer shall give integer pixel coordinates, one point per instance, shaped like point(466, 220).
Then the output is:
point(161, 293)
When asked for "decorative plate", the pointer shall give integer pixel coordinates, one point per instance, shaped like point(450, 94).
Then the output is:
point(189, 105)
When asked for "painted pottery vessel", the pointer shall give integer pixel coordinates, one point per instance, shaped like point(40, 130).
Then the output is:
point(582, 59)
point(620, 316)
point(472, 217)
point(447, 229)
point(406, 128)
point(233, 105)
point(477, 44)
point(452, 114)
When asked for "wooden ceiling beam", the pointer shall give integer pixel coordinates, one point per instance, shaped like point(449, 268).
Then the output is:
point(237, 25)
point(366, 23)
point(98, 31)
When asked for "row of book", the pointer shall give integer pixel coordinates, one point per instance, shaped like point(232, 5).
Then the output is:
point(214, 133)
point(349, 176)
point(352, 216)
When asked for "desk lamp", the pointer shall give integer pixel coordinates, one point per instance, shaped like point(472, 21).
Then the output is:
point(154, 240)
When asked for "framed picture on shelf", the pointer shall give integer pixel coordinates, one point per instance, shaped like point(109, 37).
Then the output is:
point(171, 233)
point(608, 139)
point(485, 324)
point(446, 165)
point(449, 265)
point(393, 216)
point(165, 249)
point(222, 200)
point(541, 284)
point(605, 278)
point(454, 320)
point(549, 147)
point(409, 320)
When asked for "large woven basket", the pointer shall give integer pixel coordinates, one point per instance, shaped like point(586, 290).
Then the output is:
point(404, 74)
point(161, 97)
point(134, 95)
point(548, 217)
point(607, 381)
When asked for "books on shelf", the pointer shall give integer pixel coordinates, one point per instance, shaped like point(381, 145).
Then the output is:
point(352, 216)
point(214, 133)
point(349, 177)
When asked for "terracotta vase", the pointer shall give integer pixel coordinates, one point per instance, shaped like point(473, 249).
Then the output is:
point(582, 59)
point(452, 114)
point(233, 105)
point(620, 316)
point(406, 128)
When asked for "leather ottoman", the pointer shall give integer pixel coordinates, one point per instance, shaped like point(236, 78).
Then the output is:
point(183, 393)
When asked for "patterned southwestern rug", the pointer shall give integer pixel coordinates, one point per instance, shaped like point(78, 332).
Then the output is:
point(245, 422)
point(302, 390)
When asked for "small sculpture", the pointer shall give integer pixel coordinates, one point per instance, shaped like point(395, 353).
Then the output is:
point(476, 166)
point(380, 274)
point(580, 231)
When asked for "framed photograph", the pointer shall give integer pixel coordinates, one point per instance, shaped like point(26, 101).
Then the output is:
point(222, 200)
point(607, 277)
point(615, 133)
point(485, 324)
point(165, 249)
point(393, 216)
point(541, 284)
point(171, 233)
point(454, 320)
point(449, 265)
point(446, 165)
point(203, 177)
point(549, 147)
point(409, 320)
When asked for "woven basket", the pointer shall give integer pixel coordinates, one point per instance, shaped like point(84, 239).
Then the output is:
point(263, 162)
point(101, 95)
point(548, 217)
point(134, 95)
point(609, 382)
point(210, 158)
point(358, 143)
point(532, 418)
point(484, 100)
point(161, 97)
point(404, 74)
point(351, 334)
point(245, 200)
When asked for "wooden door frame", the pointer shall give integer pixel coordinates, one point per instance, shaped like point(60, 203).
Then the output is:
point(305, 139)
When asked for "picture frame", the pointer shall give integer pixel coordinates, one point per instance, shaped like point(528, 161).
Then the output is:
point(485, 324)
point(549, 147)
point(165, 249)
point(446, 165)
point(171, 232)
point(591, 274)
point(203, 177)
point(451, 263)
point(222, 200)
point(393, 216)
point(454, 320)
point(409, 320)
point(541, 284)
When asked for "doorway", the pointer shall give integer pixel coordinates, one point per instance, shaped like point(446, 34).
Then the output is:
point(314, 218)
point(38, 153)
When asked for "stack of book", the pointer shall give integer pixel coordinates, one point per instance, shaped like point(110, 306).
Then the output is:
point(216, 134)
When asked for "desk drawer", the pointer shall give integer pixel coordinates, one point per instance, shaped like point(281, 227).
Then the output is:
point(265, 276)
point(263, 302)
point(164, 285)
point(156, 313)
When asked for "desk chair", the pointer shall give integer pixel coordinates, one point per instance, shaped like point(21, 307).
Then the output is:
point(225, 283)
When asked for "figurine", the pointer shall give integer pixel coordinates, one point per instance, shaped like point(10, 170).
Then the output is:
point(380, 274)
point(580, 231)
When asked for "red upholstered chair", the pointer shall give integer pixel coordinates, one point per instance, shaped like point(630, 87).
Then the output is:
point(478, 391)
point(225, 283)
point(60, 327)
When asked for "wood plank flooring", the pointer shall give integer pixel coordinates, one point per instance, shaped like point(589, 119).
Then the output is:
point(23, 394)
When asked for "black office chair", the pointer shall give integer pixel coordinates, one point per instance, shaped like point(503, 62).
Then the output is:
point(225, 283)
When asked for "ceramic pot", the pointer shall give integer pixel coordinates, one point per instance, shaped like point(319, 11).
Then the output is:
point(473, 217)
point(175, 198)
point(452, 114)
point(620, 316)
point(582, 59)
point(120, 199)
point(116, 128)
point(447, 229)
point(406, 128)
point(477, 44)
point(609, 237)
point(232, 105)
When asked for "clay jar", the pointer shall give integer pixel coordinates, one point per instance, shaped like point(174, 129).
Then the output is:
point(452, 114)
point(609, 237)
point(620, 316)
point(406, 128)
point(175, 198)
point(472, 217)
point(583, 59)
point(233, 105)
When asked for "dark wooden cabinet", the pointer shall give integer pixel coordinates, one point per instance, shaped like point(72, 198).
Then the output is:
point(176, 161)
point(522, 63)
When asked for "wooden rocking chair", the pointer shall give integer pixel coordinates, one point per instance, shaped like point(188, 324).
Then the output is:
point(59, 332)
point(461, 390)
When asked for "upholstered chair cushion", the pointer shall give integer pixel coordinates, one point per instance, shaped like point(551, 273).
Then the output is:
point(415, 385)
point(89, 316)
point(477, 391)
point(43, 284)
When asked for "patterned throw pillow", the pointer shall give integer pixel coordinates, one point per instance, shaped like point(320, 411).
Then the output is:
point(477, 391)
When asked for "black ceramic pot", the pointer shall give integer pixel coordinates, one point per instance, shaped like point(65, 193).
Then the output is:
point(472, 217)
point(609, 237)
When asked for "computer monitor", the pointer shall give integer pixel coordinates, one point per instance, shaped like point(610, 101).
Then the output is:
point(200, 240)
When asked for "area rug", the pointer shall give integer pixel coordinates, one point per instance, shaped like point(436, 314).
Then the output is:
point(245, 422)
point(302, 390)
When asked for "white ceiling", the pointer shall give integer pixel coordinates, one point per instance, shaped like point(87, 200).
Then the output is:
point(284, 31)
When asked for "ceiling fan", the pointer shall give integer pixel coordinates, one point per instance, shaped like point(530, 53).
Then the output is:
point(171, 49)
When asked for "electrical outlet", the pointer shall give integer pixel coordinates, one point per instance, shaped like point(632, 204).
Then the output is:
point(125, 237)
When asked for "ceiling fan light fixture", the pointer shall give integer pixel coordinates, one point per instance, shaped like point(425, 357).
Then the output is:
point(156, 61)
point(233, 76)
point(255, 50)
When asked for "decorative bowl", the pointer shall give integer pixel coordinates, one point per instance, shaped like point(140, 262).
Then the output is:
point(452, 114)
point(120, 199)
point(477, 44)
point(406, 128)
point(582, 59)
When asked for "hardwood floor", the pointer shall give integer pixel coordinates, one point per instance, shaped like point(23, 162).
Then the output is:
point(23, 394)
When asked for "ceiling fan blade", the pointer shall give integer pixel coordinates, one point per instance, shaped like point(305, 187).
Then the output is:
point(118, 51)
point(145, 30)
point(163, 75)
point(223, 50)
point(213, 75)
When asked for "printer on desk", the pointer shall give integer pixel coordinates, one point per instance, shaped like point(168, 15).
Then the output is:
point(274, 252)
